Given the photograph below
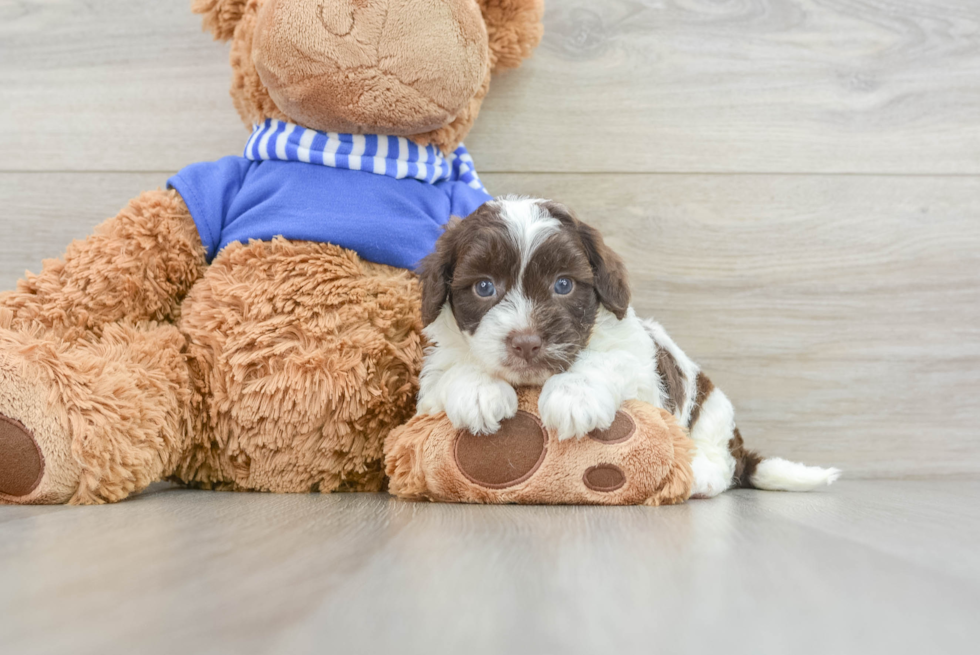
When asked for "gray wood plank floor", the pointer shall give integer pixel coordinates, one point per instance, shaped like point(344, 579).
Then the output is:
point(863, 567)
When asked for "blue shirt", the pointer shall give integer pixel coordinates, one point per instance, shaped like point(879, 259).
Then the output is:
point(384, 219)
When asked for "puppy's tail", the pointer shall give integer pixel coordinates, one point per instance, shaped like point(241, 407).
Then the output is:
point(752, 471)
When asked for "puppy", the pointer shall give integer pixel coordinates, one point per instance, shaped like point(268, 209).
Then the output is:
point(523, 293)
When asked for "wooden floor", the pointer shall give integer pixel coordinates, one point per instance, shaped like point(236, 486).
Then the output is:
point(795, 186)
point(864, 567)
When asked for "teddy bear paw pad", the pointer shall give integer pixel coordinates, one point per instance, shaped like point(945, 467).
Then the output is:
point(604, 477)
point(506, 458)
point(21, 464)
point(621, 430)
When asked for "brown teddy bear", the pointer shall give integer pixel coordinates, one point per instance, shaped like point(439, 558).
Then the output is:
point(255, 326)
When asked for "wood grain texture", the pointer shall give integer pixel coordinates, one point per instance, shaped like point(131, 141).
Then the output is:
point(618, 85)
point(859, 568)
point(841, 314)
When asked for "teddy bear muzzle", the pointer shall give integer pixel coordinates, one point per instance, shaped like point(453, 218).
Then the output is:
point(397, 67)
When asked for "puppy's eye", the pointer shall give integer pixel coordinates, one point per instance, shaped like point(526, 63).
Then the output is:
point(563, 286)
point(484, 288)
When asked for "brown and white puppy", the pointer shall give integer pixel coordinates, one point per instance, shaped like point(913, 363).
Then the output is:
point(523, 293)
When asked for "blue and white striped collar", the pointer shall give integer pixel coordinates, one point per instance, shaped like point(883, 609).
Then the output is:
point(393, 156)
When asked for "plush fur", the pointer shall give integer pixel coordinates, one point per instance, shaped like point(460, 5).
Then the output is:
point(381, 66)
point(281, 366)
point(511, 31)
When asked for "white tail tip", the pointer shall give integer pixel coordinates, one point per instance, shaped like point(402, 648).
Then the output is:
point(778, 474)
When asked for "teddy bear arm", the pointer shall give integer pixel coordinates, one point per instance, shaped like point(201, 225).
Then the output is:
point(136, 266)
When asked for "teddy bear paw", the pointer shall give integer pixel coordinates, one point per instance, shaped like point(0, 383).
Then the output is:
point(505, 459)
point(21, 462)
point(36, 461)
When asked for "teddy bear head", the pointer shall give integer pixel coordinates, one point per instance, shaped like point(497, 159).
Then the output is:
point(413, 68)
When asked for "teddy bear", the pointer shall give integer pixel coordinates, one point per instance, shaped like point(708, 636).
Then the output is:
point(255, 325)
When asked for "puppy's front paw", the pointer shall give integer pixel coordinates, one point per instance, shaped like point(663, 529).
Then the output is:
point(481, 406)
point(573, 407)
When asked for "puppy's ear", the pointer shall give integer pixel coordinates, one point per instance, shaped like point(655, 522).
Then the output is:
point(609, 277)
point(436, 272)
point(608, 272)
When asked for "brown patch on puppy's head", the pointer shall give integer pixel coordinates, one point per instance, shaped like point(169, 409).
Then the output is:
point(468, 251)
point(610, 279)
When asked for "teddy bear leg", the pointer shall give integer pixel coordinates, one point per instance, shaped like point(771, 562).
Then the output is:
point(92, 421)
point(136, 266)
point(64, 352)
point(309, 357)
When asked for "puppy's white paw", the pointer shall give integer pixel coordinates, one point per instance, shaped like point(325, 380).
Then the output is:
point(573, 406)
point(710, 477)
point(480, 406)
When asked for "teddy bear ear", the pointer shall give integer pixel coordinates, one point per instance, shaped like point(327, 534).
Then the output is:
point(514, 28)
point(220, 16)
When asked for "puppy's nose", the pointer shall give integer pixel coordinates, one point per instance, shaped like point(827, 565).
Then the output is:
point(524, 345)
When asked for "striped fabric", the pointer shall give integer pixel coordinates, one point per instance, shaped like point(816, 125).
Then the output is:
point(394, 156)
